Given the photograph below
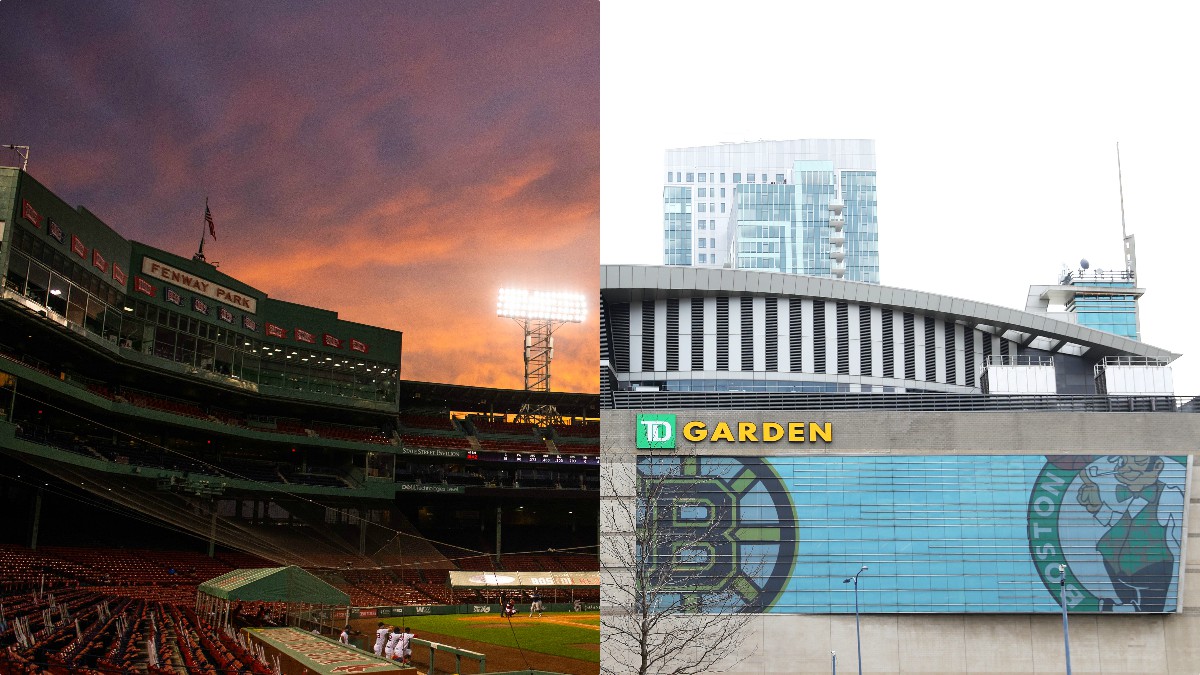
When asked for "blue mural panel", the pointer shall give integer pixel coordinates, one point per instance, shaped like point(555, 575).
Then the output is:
point(949, 534)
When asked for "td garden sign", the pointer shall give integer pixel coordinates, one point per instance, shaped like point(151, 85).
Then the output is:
point(663, 431)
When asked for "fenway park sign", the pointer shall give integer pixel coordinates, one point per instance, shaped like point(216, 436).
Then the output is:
point(197, 284)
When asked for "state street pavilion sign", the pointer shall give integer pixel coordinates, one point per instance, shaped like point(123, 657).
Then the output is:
point(197, 284)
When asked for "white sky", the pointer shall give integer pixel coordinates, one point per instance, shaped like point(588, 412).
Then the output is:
point(994, 133)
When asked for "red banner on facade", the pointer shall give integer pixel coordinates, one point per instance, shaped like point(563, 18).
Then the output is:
point(142, 286)
point(275, 331)
point(55, 230)
point(358, 346)
point(98, 261)
point(249, 324)
point(224, 315)
point(118, 274)
point(174, 297)
point(200, 306)
point(331, 341)
point(305, 336)
point(29, 213)
point(78, 248)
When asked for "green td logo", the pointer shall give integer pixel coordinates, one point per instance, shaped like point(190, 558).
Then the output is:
point(655, 431)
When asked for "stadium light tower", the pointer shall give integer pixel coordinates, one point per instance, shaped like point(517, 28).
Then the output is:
point(540, 313)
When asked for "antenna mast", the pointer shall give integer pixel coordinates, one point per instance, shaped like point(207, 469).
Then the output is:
point(1121, 189)
point(1127, 239)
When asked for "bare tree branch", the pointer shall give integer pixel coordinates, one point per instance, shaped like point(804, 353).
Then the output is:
point(663, 612)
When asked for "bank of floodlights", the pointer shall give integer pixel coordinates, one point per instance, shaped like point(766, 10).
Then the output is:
point(539, 314)
point(560, 308)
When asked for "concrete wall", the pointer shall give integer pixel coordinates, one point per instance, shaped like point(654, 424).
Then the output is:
point(911, 643)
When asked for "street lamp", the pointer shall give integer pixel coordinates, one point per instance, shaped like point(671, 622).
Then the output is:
point(1062, 600)
point(857, 632)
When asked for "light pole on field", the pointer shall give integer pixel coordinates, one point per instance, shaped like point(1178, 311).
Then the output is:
point(857, 631)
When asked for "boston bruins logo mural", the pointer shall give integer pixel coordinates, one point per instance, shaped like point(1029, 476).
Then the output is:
point(738, 524)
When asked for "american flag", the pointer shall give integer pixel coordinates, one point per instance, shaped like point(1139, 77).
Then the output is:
point(212, 229)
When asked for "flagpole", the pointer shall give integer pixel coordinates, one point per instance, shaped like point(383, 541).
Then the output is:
point(203, 227)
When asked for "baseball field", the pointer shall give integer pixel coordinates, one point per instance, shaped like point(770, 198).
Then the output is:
point(566, 642)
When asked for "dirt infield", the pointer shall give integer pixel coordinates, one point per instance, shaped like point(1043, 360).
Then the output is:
point(499, 659)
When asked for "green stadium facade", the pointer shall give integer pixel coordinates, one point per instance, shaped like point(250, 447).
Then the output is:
point(147, 399)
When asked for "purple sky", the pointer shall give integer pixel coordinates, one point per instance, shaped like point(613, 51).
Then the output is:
point(397, 162)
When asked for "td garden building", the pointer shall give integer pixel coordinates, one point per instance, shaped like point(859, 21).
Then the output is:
point(976, 466)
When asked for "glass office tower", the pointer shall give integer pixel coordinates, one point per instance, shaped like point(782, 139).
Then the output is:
point(800, 206)
point(1105, 301)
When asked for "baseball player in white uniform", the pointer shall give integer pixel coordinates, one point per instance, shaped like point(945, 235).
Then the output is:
point(381, 636)
point(393, 641)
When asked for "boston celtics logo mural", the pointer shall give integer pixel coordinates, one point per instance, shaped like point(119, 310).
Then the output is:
point(727, 526)
point(1116, 523)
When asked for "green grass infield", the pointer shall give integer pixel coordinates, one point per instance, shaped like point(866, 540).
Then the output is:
point(574, 635)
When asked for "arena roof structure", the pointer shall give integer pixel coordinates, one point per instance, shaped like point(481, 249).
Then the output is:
point(637, 282)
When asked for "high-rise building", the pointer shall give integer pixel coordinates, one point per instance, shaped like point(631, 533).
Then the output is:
point(799, 207)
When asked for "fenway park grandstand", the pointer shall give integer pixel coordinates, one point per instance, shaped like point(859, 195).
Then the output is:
point(163, 424)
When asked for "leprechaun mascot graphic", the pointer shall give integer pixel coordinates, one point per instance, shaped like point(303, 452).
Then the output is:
point(1116, 524)
point(1142, 543)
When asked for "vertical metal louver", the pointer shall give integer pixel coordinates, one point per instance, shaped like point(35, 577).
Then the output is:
point(747, 307)
point(987, 347)
point(620, 331)
point(910, 347)
point(605, 333)
point(647, 335)
point(608, 380)
point(889, 344)
point(608, 384)
point(969, 355)
point(673, 334)
point(771, 316)
point(818, 336)
point(796, 335)
point(1005, 348)
point(951, 354)
point(930, 349)
point(843, 338)
point(864, 340)
point(722, 333)
point(697, 333)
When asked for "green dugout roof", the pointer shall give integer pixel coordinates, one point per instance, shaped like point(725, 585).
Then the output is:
point(274, 584)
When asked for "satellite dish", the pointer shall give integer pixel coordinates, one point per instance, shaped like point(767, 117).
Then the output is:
point(1083, 264)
